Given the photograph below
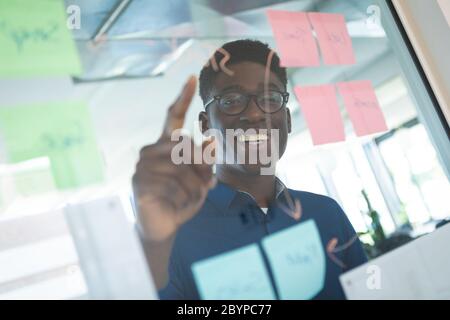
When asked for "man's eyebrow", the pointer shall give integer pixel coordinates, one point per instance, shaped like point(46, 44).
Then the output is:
point(271, 85)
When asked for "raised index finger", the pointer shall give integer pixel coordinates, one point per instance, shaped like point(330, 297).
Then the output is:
point(177, 111)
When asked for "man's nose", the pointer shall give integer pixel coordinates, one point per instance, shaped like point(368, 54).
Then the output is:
point(253, 113)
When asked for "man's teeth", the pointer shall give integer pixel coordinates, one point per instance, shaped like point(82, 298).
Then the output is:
point(253, 137)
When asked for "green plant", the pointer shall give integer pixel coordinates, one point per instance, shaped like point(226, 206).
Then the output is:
point(375, 228)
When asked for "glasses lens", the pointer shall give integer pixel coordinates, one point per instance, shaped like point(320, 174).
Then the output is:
point(270, 101)
point(233, 102)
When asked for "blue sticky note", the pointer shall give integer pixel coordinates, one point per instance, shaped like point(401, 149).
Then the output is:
point(297, 260)
point(239, 274)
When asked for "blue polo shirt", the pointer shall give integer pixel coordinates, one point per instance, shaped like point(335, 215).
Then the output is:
point(230, 219)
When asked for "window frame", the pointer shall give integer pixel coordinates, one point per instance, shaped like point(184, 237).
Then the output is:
point(428, 109)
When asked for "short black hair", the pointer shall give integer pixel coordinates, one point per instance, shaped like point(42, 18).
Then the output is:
point(239, 51)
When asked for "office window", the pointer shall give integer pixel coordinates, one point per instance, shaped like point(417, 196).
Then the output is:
point(408, 157)
point(417, 175)
point(134, 74)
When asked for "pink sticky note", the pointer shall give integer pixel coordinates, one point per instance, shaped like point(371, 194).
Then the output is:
point(294, 38)
point(320, 108)
point(334, 41)
point(362, 107)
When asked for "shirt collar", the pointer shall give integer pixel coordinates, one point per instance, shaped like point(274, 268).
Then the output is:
point(279, 187)
point(224, 194)
point(221, 195)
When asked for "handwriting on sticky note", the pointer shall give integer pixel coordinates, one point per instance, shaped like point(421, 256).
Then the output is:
point(35, 39)
point(321, 111)
point(297, 33)
point(334, 41)
point(63, 142)
point(297, 259)
point(362, 107)
point(237, 289)
point(293, 38)
point(310, 253)
point(21, 37)
point(61, 131)
point(239, 274)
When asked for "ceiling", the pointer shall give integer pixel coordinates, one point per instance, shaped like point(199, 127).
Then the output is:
point(142, 38)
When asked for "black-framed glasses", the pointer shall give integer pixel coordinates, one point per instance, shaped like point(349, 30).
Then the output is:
point(233, 103)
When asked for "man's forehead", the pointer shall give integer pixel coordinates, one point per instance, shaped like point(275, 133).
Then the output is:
point(247, 76)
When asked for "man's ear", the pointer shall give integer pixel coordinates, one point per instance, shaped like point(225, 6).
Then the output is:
point(204, 121)
point(289, 120)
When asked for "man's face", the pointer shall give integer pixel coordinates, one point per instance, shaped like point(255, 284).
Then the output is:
point(248, 78)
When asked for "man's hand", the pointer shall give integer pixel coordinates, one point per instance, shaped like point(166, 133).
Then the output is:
point(167, 195)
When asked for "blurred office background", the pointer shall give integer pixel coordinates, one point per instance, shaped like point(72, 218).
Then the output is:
point(136, 67)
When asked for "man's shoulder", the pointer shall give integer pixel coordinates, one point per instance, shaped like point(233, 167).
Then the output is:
point(311, 198)
point(318, 206)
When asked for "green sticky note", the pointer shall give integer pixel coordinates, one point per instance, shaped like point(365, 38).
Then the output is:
point(239, 274)
point(61, 131)
point(297, 260)
point(35, 39)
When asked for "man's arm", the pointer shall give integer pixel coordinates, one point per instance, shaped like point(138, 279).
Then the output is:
point(167, 194)
point(158, 256)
